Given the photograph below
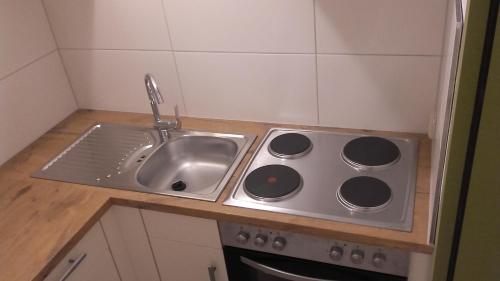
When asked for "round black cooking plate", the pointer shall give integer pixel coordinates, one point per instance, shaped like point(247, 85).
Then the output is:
point(272, 182)
point(370, 152)
point(364, 193)
point(290, 144)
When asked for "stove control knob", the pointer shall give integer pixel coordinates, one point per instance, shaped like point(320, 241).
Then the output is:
point(336, 253)
point(260, 240)
point(378, 259)
point(279, 243)
point(242, 237)
point(357, 256)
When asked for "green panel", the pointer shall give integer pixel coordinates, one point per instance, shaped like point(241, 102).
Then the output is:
point(467, 80)
point(479, 250)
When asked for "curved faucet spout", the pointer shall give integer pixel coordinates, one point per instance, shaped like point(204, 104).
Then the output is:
point(155, 98)
point(154, 95)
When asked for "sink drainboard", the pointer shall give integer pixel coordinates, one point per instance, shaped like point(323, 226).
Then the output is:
point(100, 154)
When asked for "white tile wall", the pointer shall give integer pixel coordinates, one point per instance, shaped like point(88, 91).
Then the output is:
point(261, 87)
point(32, 101)
point(380, 27)
point(24, 34)
point(114, 80)
point(109, 24)
point(280, 26)
point(256, 59)
point(393, 93)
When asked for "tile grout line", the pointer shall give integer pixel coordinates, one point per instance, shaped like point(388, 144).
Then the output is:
point(174, 58)
point(316, 62)
point(180, 84)
point(256, 53)
point(440, 76)
point(24, 66)
point(58, 49)
point(185, 51)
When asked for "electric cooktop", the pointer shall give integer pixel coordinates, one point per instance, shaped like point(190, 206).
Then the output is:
point(361, 179)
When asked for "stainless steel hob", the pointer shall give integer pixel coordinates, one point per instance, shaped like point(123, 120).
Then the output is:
point(353, 178)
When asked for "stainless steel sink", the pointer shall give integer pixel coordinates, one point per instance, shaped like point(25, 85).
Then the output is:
point(189, 164)
point(197, 161)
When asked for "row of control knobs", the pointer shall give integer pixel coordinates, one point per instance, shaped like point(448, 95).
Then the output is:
point(336, 252)
point(260, 240)
point(357, 256)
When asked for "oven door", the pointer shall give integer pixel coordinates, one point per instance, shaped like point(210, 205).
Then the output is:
point(247, 265)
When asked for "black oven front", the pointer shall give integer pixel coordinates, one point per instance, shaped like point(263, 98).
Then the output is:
point(254, 253)
point(250, 265)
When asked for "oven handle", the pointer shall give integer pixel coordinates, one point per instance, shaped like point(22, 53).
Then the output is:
point(278, 273)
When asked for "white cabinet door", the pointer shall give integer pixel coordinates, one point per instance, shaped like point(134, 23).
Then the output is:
point(89, 260)
point(129, 244)
point(182, 228)
point(181, 261)
point(185, 247)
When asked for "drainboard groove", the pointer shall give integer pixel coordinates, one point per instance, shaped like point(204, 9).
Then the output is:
point(74, 159)
point(129, 140)
point(99, 154)
point(95, 154)
point(80, 167)
point(96, 145)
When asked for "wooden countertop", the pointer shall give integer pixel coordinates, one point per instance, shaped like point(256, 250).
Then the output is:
point(41, 220)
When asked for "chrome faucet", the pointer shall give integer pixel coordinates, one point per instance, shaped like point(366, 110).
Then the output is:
point(163, 126)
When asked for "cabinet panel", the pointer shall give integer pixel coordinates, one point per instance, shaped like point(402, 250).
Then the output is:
point(90, 259)
point(179, 261)
point(182, 228)
point(129, 244)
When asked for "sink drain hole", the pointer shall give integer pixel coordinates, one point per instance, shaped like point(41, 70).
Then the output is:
point(179, 186)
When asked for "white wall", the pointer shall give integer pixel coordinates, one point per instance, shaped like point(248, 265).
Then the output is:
point(357, 64)
point(34, 91)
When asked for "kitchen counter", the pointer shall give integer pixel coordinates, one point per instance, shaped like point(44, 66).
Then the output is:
point(40, 220)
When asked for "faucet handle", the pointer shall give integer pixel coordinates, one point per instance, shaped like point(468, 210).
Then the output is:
point(177, 117)
point(176, 110)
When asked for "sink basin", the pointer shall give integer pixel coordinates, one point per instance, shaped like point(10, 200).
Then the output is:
point(199, 162)
point(190, 164)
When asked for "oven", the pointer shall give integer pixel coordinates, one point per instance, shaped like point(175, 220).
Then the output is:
point(248, 265)
point(261, 254)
